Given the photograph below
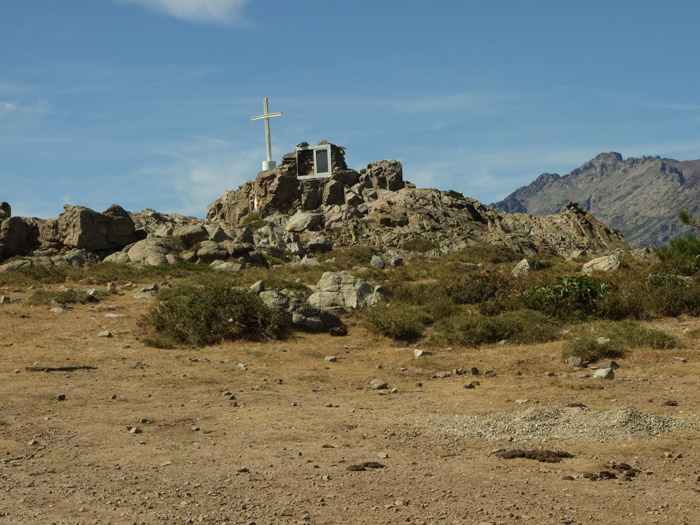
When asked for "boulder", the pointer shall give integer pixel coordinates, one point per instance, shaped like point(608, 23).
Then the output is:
point(81, 227)
point(17, 264)
point(385, 174)
point(376, 262)
point(210, 251)
point(226, 266)
point(18, 236)
point(523, 268)
point(606, 263)
point(303, 221)
point(217, 233)
point(299, 314)
point(317, 242)
point(154, 251)
point(191, 234)
point(117, 258)
point(341, 289)
point(76, 257)
point(333, 193)
point(5, 211)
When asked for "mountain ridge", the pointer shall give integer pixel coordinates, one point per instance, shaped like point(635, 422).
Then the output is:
point(641, 197)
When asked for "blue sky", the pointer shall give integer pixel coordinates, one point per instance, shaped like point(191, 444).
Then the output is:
point(147, 103)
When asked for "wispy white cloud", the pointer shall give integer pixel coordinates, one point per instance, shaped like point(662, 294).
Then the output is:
point(228, 12)
point(40, 107)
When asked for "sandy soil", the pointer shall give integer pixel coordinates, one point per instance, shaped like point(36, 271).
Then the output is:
point(271, 440)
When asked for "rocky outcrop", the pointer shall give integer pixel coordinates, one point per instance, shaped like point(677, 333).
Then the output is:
point(80, 227)
point(280, 218)
point(5, 211)
point(278, 192)
point(377, 207)
point(298, 314)
point(639, 196)
point(18, 236)
point(343, 290)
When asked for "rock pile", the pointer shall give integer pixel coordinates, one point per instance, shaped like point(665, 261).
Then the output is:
point(377, 207)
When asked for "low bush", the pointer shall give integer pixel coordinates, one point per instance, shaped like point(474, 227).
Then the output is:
point(610, 339)
point(210, 314)
point(672, 295)
point(474, 287)
point(349, 257)
point(396, 321)
point(521, 326)
point(592, 349)
point(636, 335)
point(681, 254)
point(60, 297)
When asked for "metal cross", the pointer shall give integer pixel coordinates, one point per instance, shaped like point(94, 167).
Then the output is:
point(269, 163)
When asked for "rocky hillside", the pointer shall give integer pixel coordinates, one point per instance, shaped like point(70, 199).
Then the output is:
point(640, 197)
point(279, 217)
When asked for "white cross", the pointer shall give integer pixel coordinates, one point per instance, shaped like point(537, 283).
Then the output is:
point(269, 163)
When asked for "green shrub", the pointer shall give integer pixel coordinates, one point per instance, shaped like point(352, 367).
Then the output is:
point(60, 297)
point(210, 314)
point(396, 321)
point(415, 294)
point(473, 287)
point(521, 326)
point(349, 257)
point(681, 252)
point(637, 336)
point(610, 339)
point(571, 298)
point(254, 221)
point(617, 305)
point(592, 349)
point(672, 295)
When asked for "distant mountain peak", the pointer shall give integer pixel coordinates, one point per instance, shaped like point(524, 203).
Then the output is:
point(639, 196)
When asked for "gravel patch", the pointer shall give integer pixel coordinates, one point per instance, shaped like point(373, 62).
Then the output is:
point(578, 423)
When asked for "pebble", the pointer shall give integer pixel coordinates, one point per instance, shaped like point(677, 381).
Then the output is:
point(574, 361)
point(331, 359)
point(105, 333)
point(61, 397)
point(417, 352)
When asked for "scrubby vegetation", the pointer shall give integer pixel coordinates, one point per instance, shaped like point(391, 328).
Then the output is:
point(208, 314)
point(466, 298)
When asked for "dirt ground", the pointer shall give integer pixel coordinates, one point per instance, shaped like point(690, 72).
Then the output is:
point(274, 433)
